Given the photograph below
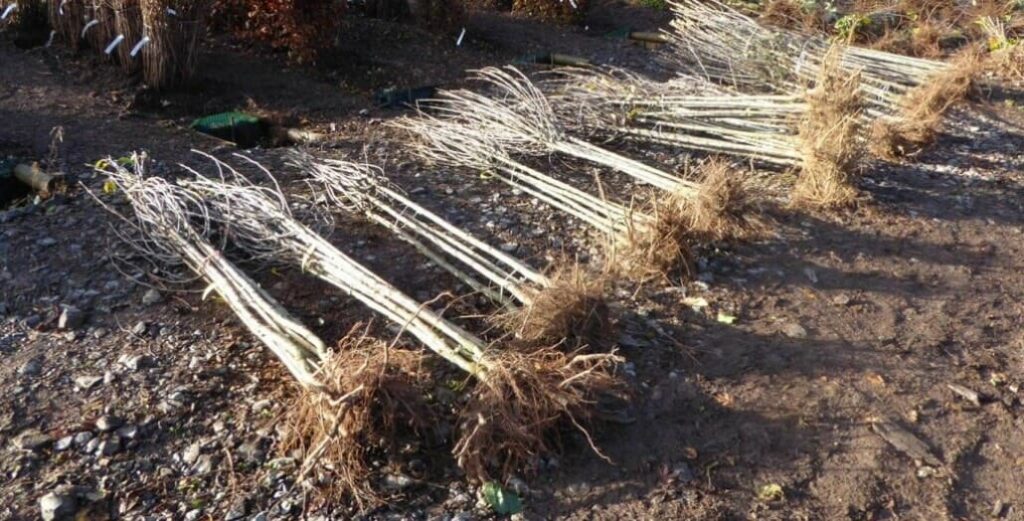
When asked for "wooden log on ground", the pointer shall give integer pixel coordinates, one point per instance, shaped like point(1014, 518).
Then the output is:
point(32, 176)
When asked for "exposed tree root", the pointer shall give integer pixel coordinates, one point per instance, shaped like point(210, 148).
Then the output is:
point(830, 138)
point(571, 310)
point(514, 413)
point(922, 110)
point(724, 206)
point(371, 392)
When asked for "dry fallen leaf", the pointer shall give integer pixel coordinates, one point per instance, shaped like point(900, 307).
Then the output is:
point(724, 399)
point(771, 492)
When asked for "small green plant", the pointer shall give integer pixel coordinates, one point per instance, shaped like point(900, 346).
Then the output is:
point(848, 26)
point(771, 492)
point(502, 501)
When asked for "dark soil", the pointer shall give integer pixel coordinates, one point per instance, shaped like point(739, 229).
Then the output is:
point(841, 319)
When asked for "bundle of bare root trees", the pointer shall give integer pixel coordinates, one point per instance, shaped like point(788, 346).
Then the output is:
point(174, 29)
point(476, 130)
point(525, 387)
point(158, 38)
point(170, 226)
point(686, 112)
point(566, 305)
point(817, 131)
point(904, 97)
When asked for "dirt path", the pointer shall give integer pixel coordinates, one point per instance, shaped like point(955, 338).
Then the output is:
point(842, 320)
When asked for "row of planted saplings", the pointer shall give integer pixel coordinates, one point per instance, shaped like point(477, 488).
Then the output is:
point(158, 39)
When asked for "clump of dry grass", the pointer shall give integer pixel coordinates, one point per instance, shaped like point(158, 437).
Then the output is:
point(1005, 59)
point(1007, 64)
point(371, 391)
point(926, 39)
point(830, 140)
point(526, 397)
point(922, 110)
point(570, 310)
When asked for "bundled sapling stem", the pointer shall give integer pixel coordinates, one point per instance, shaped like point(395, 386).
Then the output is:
point(521, 394)
point(567, 305)
point(712, 40)
point(171, 227)
point(685, 112)
point(517, 115)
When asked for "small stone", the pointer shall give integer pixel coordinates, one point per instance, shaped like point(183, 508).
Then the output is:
point(128, 432)
point(57, 506)
point(91, 446)
point(64, 443)
point(99, 333)
point(261, 406)
point(262, 516)
point(32, 440)
point(682, 473)
point(87, 382)
point(237, 511)
point(463, 516)
point(82, 438)
point(46, 242)
point(841, 300)
point(109, 447)
point(33, 321)
point(925, 471)
point(70, 318)
point(193, 515)
point(134, 363)
point(151, 297)
point(204, 465)
point(794, 330)
point(191, 454)
point(31, 368)
point(107, 423)
point(398, 481)
point(140, 328)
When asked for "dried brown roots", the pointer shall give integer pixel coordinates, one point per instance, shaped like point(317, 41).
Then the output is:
point(372, 392)
point(829, 138)
point(922, 110)
point(657, 246)
point(724, 206)
point(571, 310)
point(514, 413)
